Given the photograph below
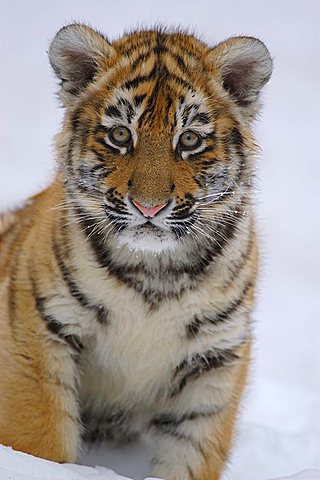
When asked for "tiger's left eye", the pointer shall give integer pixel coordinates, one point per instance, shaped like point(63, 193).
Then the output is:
point(189, 140)
point(120, 135)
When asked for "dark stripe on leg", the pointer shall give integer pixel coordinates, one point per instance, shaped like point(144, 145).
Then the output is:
point(56, 327)
point(176, 420)
point(201, 363)
point(166, 429)
point(198, 321)
point(75, 292)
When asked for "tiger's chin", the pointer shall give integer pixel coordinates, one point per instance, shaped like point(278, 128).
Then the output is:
point(148, 238)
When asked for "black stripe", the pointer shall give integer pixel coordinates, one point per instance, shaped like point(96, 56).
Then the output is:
point(142, 117)
point(143, 57)
point(181, 63)
point(193, 54)
point(75, 118)
point(135, 47)
point(118, 209)
point(162, 72)
point(129, 108)
point(237, 141)
point(102, 253)
point(181, 81)
point(99, 156)
point(109, 148)
point(69, 156)
point(138, 99)
point(96, 168)
point(173, 431)
point(160, 47)
point(202, 118)
point(182, 214)
point(198, 321)
point(87, 187)
point(111, 196)
point(195, 156)
point(113, 111)
point(102, 129)
point(169, 102)
point(237, 267)
point(186, 112)
point(201, 363)
point(176, 420)
point(75, 292)
point(167, 430)
point(56, 327)
point(134, 82)
point(184, 206)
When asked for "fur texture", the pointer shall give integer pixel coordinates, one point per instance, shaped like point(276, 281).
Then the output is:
point(114, 321)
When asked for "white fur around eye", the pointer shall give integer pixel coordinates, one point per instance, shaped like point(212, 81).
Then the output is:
point(191, 98)
point(122, 150)
point(122, 121)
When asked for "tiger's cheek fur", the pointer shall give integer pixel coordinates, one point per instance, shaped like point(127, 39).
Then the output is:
point(184, 177)
point(120, 178)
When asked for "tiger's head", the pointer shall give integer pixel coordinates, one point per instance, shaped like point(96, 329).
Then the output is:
point(156, 145)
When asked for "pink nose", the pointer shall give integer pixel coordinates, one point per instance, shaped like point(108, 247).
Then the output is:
point(149, 212)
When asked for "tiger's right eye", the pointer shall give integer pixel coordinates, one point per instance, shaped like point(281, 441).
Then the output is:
point(120, 135)
point(189, 140)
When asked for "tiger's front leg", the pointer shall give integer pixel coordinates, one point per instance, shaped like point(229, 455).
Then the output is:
point(193, 436)
point(38, 395)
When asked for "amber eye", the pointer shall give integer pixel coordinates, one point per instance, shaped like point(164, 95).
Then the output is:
point(189, 140)
point(120, 135)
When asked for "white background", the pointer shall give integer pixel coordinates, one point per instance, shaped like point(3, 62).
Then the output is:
point(279, 429)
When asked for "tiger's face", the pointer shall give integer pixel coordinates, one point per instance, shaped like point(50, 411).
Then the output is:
point(157, 139)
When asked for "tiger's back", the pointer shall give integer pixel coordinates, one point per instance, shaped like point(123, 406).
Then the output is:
point(127, 286)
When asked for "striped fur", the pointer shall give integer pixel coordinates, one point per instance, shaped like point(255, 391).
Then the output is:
point(113, 323)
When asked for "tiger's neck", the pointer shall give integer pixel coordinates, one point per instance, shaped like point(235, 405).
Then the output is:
point(155, 276)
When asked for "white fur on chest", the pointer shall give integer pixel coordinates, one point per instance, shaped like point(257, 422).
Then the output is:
point(131, 361)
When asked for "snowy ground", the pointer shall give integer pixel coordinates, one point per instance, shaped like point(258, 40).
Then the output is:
point(19, 466)
point(279, 429)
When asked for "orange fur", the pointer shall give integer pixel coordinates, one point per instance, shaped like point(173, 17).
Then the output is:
point(71, 293)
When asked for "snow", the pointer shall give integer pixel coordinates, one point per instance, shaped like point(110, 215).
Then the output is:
point(279, 427)
point(20, 466)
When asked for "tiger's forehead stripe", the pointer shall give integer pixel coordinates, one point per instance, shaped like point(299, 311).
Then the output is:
point(157, 68)
point(125, 108)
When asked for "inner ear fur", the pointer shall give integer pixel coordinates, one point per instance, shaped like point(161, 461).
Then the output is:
point(245, 66)
point(76, 54)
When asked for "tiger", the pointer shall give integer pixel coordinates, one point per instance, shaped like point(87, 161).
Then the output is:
point(127, 285)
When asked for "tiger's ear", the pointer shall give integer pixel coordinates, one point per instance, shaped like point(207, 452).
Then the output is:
point(245, 66)
point(76, 54)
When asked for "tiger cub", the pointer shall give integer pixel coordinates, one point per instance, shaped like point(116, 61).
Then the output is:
point(126, 286)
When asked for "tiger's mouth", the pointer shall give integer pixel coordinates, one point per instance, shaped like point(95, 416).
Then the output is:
point(149, 227)
point(148, 237)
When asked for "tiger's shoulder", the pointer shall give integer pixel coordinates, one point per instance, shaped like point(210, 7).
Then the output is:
point(15, 223)
point(11, 218)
